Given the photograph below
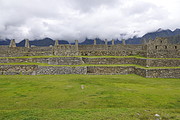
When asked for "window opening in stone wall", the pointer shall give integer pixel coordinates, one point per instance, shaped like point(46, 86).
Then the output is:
point(156, 47)
point(161, 41)
point(175, 47)
point(165, 47)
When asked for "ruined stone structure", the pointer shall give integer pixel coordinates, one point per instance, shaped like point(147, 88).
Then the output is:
point(158, 53)
point(158, 48)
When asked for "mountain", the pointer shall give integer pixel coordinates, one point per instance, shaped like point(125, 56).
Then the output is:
point(5, 42)
point(63, 42)
point(172, 36)
point(158, 33)
point(91, 41)
point(98, 41)
point(42, 42)
point(134, 40)
point(176, 32)
point(174, 39)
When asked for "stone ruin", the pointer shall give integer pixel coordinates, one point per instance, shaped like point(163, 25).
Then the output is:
point(158, 48)
point(157, 53)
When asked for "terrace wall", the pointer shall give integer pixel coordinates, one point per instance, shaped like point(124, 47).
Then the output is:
point(163, 54)
point(163, 62)
point(105, 60)
point(163, 73)
point(56, 70)
point(48, 60)
point(137, 61)
point(110, 70)
point(97, 70)
point(18, 69)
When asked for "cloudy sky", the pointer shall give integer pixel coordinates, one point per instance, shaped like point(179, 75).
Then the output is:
point(77, 19)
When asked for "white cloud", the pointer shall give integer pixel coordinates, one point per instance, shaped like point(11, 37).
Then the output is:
point(77, 19)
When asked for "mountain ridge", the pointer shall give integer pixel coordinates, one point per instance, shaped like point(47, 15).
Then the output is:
point(173, 36)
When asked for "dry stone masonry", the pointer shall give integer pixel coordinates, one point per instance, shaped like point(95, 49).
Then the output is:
point(156, 53)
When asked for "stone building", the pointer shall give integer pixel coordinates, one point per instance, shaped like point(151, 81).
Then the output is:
point(158, 48)
point(76, 55)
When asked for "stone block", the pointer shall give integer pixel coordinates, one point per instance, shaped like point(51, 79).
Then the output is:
point(11, 73)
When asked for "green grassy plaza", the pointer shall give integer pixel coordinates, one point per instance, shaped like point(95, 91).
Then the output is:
point(88, 97)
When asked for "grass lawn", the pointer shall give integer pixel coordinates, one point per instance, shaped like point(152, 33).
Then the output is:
point(104, 97)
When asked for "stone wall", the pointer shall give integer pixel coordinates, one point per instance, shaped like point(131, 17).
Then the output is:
point(160, 48)
point(60, 50)
point(137, 61)
point(40, 70)
point(23, 51)
point(110, 70)
point(3, 51)
point(117, 47)
point(104, 53)
point(163, 62)
point(18, 69)
point(140, 71)
point(111, 50)
point(97, 70)
point(163, 73)
point(163, 53)
point(154, 50)
point(109, 60)
point(65, 50)
point(105, 60)
point(56, 70)
point(49, 60)
point(140, 61)
point(149, 73)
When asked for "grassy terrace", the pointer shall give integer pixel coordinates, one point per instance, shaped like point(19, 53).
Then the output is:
point(45, 64)
point(88, 57)
point(104, 97)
